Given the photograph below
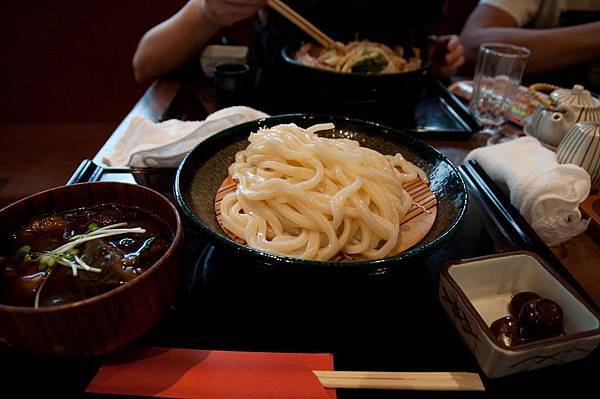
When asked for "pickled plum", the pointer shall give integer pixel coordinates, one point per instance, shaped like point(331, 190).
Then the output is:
point(532, 318)
point(540, 318)
point(518, 300)
point(506, 330)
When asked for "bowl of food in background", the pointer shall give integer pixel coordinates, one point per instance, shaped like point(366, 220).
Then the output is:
point(368, 71)
point(86, 268)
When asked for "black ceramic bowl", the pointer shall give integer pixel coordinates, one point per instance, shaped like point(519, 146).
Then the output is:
point(354, 86)
point(205, 167)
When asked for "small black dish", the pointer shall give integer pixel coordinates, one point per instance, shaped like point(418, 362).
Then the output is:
point(205, 167)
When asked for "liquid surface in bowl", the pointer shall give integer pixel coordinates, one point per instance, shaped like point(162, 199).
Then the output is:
point(69, 256)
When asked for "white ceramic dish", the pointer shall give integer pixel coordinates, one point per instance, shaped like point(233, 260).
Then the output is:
point(476, 292)
point(215, 54)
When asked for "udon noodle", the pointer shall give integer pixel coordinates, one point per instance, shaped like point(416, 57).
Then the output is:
point(311, 197)
point(360, 57)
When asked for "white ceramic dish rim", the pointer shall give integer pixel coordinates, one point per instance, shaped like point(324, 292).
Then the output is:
point(483, 325)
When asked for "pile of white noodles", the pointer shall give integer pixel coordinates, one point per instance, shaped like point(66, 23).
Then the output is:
point(310, 197)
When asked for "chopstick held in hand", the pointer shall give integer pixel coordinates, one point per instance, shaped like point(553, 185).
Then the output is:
point(305, 25)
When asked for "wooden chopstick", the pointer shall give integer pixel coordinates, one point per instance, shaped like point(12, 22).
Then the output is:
point(438, 381)
point(305, 25)
point(298, 20)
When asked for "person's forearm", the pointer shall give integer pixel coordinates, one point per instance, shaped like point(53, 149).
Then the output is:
point(170, 44)
point(550, 48)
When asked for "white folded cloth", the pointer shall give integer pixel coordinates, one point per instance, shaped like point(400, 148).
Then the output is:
point(546, 193)
point(164, 144)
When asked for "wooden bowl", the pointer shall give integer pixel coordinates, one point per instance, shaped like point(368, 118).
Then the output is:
point(102, 323)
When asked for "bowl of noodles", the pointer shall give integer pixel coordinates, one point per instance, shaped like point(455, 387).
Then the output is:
point(321, 193)
point(361, 57)
point(367, 69)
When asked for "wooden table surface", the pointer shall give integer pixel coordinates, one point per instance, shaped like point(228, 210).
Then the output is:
point(580, 255)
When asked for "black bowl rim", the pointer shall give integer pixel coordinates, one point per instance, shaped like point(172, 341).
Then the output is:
point(313, 264)
point(177, 239)
point(349, 75)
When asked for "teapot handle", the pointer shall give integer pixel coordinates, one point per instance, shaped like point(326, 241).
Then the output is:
point(537, 90)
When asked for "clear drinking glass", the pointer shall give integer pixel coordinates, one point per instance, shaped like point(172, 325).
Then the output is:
point(497, 78)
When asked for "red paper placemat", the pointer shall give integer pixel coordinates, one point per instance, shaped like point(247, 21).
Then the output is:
point(187, 373)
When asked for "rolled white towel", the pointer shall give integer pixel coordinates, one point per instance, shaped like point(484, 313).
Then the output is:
point(546, 193)
point(164, 144)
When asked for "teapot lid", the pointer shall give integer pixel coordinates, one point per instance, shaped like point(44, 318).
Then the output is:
point(577, 97)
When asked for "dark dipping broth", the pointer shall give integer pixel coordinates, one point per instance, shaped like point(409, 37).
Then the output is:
point(29, 275)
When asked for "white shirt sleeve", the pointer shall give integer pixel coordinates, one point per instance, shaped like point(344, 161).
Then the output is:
point(523, 11)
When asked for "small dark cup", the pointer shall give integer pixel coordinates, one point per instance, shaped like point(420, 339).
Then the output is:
point(233, 83)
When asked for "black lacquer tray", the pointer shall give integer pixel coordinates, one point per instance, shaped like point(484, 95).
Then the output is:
point(390, 321)
point(429, 111)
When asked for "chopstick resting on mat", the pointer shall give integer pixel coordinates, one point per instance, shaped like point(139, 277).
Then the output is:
point(437, 381)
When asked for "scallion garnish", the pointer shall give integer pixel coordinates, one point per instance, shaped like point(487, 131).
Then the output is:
point(68, 255)
point(25, 249)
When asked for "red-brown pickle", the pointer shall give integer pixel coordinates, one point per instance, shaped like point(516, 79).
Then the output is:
point(532, 318)
point(518, 300)
point(506, 330)
point(540, 318)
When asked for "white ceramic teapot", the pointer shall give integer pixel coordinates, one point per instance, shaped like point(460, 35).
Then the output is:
point(580, 147)
point(553, 118)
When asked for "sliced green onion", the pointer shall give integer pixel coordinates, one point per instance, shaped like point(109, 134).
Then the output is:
point(66, 254)
point(24, 249)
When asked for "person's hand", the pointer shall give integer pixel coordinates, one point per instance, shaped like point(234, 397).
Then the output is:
point(446, 55)
point(228, 12)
